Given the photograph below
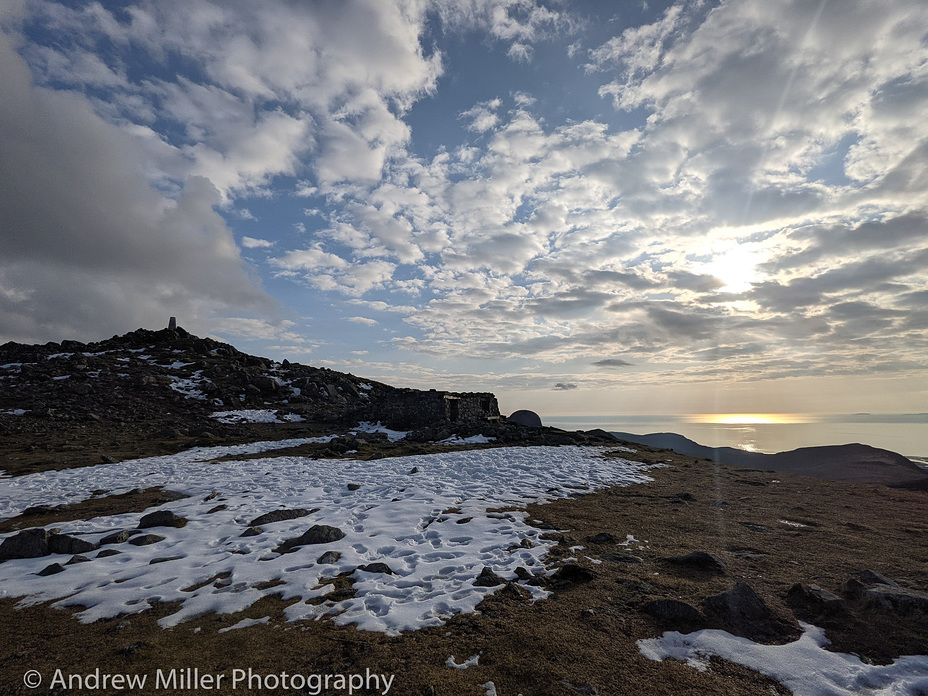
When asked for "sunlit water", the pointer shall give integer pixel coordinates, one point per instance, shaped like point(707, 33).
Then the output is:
point(906, 434)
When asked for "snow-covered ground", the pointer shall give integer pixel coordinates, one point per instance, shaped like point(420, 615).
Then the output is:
point(426, 517)
point(803, 666)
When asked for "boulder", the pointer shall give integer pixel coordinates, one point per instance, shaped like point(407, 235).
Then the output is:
point(741, 611)
point(29, 543)
point(570, 574)
point(52, 569)
point(328, 558)
point(145, 539)
point(678, 614)
point(897, 600)
point(117, 537)
point(62, 543)
point(698, 560)
point(601, 538)
point(317, 534)
point(161, 518)
point(377, 568)
point(871, 577)
point(814, 598)
point(280, 516)
point(488, 578)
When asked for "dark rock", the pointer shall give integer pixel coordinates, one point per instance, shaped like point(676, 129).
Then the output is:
point(526, 418)
point(42, 510)
point(814, 598)
point(488, 578)
point(601, 538)
point(414, 470)
point(619, 557)
point(513, 591)
point(853, 590)
point(29, 543)
point(698, 560)
point(62, 543)
point(582, 689)
point(161, 518)
point(678, 614)
point(164, 559)
point(145, 539)
point(117, 537)
point(570, 574)
point(134, 647)
point(353, 486)
point(252, 531)
point(108, 552)
point(52, 569)
point(317, 534)
point(682, 498)
point(280, 516)
point(742, 612)
point(871, 577)
point(328, 557)
point(218, 508)
point(897, 600)
point(377, 568)
point(77, 559)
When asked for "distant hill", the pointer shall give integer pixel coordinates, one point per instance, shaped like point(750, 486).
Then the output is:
point(855, 463)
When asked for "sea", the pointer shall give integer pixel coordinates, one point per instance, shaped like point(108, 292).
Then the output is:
point(905, 434)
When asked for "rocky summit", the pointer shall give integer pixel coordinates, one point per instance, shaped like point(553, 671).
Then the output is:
point(71, 403)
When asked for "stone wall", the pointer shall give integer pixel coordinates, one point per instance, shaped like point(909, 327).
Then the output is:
point(410, 408)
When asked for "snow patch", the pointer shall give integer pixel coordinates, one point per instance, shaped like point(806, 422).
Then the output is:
point(803, 666)
point(247, 415)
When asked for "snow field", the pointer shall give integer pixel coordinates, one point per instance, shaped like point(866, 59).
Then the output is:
point(434, 529)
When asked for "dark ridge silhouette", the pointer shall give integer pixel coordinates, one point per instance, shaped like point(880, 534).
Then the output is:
point(855, 463)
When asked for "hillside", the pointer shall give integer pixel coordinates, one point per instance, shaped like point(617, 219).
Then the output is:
point(854, 463)
point(152, 392)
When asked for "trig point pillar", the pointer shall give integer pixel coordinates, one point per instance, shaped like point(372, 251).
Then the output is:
point(172, 324)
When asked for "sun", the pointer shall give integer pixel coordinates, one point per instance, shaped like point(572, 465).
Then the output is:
point(735, 267)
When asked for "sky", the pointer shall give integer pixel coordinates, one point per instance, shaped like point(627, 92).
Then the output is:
point(583, 207)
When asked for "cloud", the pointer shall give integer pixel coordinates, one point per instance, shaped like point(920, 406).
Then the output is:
point(569, 386)
point(366, 321)
point(254, 243)
point(90, 247)
point(612, 362)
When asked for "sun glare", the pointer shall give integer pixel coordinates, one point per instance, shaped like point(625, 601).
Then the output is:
point(735, 267)
point(746, 418)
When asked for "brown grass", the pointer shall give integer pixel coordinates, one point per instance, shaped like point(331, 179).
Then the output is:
point(583, 636)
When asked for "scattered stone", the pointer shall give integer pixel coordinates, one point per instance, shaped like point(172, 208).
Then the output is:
point(280, 516)
point(218, 508)
point(582, 689)
point(328, 558)
point(252, 531)
point(813, 597)
point(164, 559)
point(853, 590)
point(353, 486)
point(897, 600)
point(106, 459)
point(414, 470)
point(619, 557)
point(145, 539)
point(742, 612)
point(77, 559)
point(698, 560)
point(108, 552)
point(673, 611)
point(601, 538)
point(62, 543)
point(570, 574)
point(29, 543)
point(52, 569)
point(377, 568)
point(682, 498)
point(759, 528)
point(488, 578)
point(117, 537)
point(317, 534)
point(42, 510)
point(211, 496)
point(871, 577)
point(161, 518)
point(129, 649)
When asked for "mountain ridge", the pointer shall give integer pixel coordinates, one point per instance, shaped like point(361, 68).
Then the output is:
point(853, 462)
